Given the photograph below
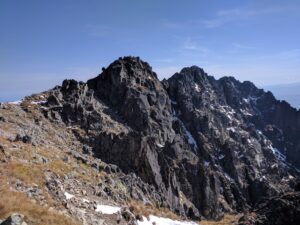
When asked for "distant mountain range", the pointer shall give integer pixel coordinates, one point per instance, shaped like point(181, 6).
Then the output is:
point(287, 92)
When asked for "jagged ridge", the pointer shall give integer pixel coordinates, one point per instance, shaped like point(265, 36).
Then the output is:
point(208, 146)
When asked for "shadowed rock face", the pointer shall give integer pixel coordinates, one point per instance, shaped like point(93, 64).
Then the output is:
point(277, 210)
point(208, 146)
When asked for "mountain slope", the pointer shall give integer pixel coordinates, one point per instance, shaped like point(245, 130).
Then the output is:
point(202, 147)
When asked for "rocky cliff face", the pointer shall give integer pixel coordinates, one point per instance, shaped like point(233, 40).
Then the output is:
point(208, 146)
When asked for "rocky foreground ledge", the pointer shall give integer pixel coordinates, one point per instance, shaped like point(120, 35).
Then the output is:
point(187, 148)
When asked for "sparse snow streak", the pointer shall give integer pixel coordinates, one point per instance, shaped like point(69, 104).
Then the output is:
point(160, 145)
point(197, 87)
point(163, 221)
point(191, 140)
point(188, 134)
point(16, 102)
point(228, 177)
point(253, 99)
point(206, 163)
point(278, 154)
point(232, 129)
point(68, 195)
point(37, 103)
point(221, 157)
point(245, 112)
point(107, 209)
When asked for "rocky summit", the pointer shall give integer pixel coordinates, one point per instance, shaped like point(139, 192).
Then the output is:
point(191, 144)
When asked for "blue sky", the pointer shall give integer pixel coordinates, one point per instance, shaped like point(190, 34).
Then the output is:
point(43, 42)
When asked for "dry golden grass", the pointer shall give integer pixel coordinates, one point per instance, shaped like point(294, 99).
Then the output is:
point(26, 173)
point(35, 214)
point(139, 208)
point(59, 167)
point(227, 220)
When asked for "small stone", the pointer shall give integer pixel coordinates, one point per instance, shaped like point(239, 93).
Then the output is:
point(127, 215)
point(25, 139)
point(14, 219)
point(2, 119)
point(65, 158)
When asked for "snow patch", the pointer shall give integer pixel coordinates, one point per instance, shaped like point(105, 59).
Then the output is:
point(228, 177)
point(253, 99)
point(259, 132)
point(160, 145)
point(245, 112)
point(246, 100)
point(163, 221)
point(107, 209)
point(206, 163)
point(16, 102)
point(191, 140)
point(197, 87)
point(221, 157)
point(68, 195)
point(249, 141)
point(278, 154)
point(188, 134)
point(173, 112)
point(262, 178)
point(232, 129)
point(38, 102)
point(274, 165)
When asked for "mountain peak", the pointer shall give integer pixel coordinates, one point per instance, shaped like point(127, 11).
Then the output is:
point(199, 146)
point(192, 70)
point(134, 66)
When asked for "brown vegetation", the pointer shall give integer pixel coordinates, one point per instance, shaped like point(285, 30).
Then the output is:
point(35, 214)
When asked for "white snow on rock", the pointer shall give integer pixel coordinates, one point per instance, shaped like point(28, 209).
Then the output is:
point(221, 156)
point(228, 177)
point(197, 87)
point(16, 102)
point(107, 209)
point(259, 132)
point(37, 103)
point(245, 112)
point(160, 145)
point(278, 154)
point(188, 134)
point(206, 163)
point(190, 138)
point(232, 129)
point(173, 112)
point(163, 221)
point(85, 200)
point(246, 100)
point(262, 178)
point(253, 99)
point(68, 195)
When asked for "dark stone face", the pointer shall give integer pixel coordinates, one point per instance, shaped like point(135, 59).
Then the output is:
point(208, 146)
point(278, 210)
